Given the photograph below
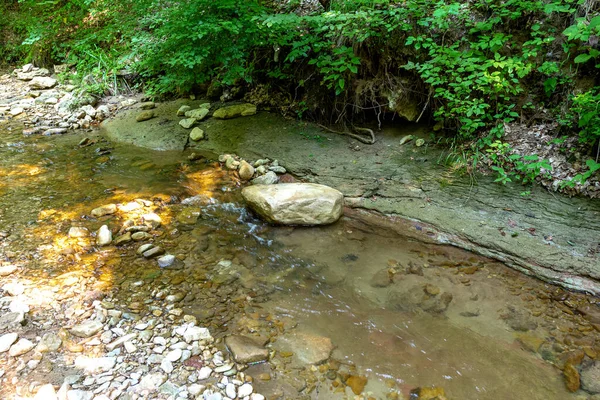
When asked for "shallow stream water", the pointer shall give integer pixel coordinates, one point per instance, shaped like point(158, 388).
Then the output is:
point(401, 313)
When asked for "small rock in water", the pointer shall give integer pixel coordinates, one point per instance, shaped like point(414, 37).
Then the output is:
point(590, 378)
point(357, 383)
point(87, 328)
point(231, 163)
point(153, 252)
point(246, 350)
point(145, 116)
point(204, 373)
point(54, 131)
point(151, 382)
point(278, 170)
point(123, 239)
point(78, 232)
point(419, 142)
point(230, 391)
point(428, 393)
point(143, 248)
point(104, 210)
point(152, 219)
point(11, 319)
point(571, 375)
point(246, 171)
point(234, 111)
point(139, 236)
point(104, 236)
point(166, 261)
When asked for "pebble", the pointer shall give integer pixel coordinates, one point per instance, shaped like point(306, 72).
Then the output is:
point(78, 232)
point(204, 373)
point(106, 209)
point(187, 123)
point(182, 110)
point(50, 342)
point(79, 395)
point(139, 236)
point(87, 328)
point(6, 270)
point(165, 261)
point(245, 390)
point(14, 289)
point(193, 333)
point(7, 340)
point(104, 236)
point(145, 116)
point(95, 365)
point(21, 347)
point(166, 365)
point(46, 392)
point(151, 382)
point(196, 134)
point(174, 355)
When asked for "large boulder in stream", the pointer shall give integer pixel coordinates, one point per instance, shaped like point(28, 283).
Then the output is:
point(295, 203)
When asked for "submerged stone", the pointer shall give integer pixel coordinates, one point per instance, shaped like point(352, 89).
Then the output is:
point(295, 203)
point(246, 350)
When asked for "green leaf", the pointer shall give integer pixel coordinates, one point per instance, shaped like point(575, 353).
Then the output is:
point(582, 58)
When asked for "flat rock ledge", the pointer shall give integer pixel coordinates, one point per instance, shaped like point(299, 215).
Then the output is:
point(295, 203)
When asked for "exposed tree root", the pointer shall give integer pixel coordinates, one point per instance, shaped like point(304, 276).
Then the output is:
point(361, 138)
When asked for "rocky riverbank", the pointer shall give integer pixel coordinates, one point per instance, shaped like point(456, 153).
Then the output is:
point(551, 237)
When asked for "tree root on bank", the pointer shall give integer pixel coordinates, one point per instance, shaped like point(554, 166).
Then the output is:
point(361, 138)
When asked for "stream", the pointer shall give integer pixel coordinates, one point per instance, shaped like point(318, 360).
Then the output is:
point(345, 310)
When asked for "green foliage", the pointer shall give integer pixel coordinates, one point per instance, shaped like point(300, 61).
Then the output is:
point(509, 167)
point(586, 108)
point(593, 167)
point(475, 66)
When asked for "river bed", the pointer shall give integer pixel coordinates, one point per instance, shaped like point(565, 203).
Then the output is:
point(381, 313)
